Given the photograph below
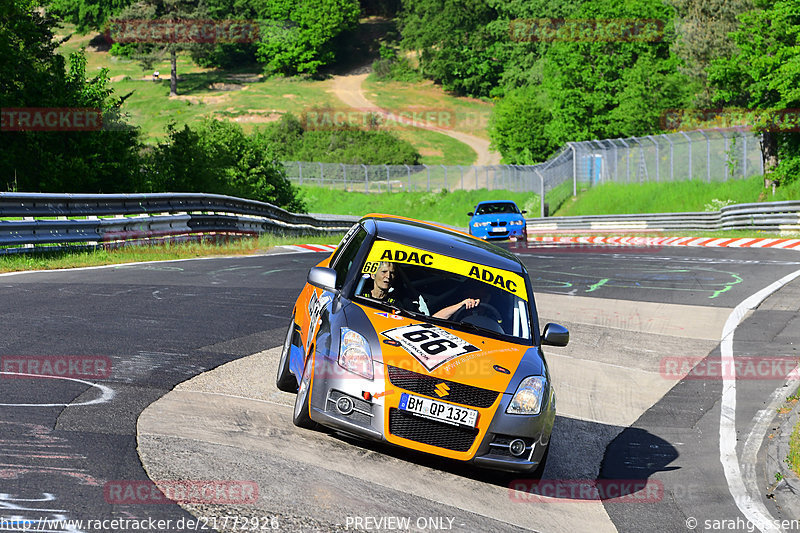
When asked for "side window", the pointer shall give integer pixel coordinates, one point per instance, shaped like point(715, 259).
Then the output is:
point(344, 260)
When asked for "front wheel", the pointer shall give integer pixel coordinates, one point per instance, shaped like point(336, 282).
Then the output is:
point(300, 416)
point(285, 380)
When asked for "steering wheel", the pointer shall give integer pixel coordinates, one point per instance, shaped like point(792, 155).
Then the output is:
point(480, 315)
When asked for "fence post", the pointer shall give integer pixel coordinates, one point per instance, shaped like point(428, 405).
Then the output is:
point(429, 176)
point(476, 178)
point(408, 177)
point(541, 192)
point(321, 172)
point(388, 184)
point(744, 153)
point(627, 161)
point(658, 157)
point(445, 177)
point(690, 152)
point(671, 166)
point(574, 168)
point(708, 154)
point(300, 171)
point(366, 179)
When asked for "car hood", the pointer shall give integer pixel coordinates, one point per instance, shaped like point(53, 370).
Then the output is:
point(447, 353)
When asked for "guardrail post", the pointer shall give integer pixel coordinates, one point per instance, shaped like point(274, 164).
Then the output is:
point(388, 184)
point(366, 179)
point(408, 178)
point(322, 173)
point(476, 178)
point(445, 177)
point(300, 171)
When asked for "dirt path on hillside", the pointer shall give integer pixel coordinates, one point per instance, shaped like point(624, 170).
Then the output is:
point(348, 89)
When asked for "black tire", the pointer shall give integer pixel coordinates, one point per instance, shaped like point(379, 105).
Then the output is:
point(285, 380)
point(301, 401)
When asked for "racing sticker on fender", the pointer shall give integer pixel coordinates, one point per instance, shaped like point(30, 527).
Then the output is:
point(429, 344)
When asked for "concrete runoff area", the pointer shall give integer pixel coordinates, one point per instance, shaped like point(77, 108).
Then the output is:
point(605, 379)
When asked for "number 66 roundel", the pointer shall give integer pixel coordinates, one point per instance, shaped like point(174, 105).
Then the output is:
point(429, 344)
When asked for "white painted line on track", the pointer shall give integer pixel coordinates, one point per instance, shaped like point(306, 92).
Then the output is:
point(106, 396)
point(752, 508)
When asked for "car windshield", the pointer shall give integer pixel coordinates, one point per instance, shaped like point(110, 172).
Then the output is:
point(497, 208)
point(460, 293)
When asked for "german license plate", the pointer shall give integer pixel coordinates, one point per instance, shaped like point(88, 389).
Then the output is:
point(444, 412)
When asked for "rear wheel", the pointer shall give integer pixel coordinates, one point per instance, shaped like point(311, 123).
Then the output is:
point(285, 380)
point(303, 398)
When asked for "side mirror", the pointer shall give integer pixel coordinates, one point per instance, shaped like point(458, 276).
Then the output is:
point(322, 277)
point(523, 211)
point(555, 335)
point(470, 214)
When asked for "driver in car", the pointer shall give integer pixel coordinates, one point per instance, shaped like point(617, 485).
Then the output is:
point(382, 280)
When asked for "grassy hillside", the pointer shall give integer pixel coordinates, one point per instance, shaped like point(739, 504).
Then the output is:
point(676, 197)
point(250, 99)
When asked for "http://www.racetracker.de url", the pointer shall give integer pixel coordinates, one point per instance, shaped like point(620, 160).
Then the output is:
point(142, 525)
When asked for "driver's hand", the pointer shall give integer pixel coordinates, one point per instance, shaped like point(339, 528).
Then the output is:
point(470, 303)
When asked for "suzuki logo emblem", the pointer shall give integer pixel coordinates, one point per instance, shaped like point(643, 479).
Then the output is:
point(442, 389)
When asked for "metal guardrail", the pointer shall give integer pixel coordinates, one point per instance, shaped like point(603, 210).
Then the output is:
point(32, 221)
point(768, 216)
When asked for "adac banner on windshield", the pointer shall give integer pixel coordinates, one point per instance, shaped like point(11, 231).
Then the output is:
point(402, 254)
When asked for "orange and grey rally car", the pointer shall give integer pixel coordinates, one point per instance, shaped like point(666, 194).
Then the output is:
point(426, 338)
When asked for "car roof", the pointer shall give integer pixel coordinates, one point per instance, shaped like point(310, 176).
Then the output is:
point(442, 240)
point(497, 202)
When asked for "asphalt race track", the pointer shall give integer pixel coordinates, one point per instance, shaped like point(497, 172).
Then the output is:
point(172, 378)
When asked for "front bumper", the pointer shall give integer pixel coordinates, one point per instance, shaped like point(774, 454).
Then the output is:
point(338, 401)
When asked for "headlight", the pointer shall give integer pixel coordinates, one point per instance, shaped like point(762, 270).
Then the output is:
point(354, 353)
point(528, 398)
point(480, 224)
point(517, 223)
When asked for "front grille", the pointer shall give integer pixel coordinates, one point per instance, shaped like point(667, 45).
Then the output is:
point(418, 429)
point(426, 385)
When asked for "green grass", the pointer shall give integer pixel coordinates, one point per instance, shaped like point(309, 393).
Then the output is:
point(675, 197)
point(163, 252)
point(449, 208)
point(793, 459)
point(244, 96)
point(470, 115)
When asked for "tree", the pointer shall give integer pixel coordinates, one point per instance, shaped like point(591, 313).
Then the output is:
point(160, 27)
point(517, 128)
point(217, 157)
point(764, 75)
point(87, 15)
point(33, 76)
point(702, 28)
point(298, 36)
point(614, 84)
point(457, 43)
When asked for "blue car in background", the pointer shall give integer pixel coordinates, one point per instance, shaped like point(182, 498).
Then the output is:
point(500, 219)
